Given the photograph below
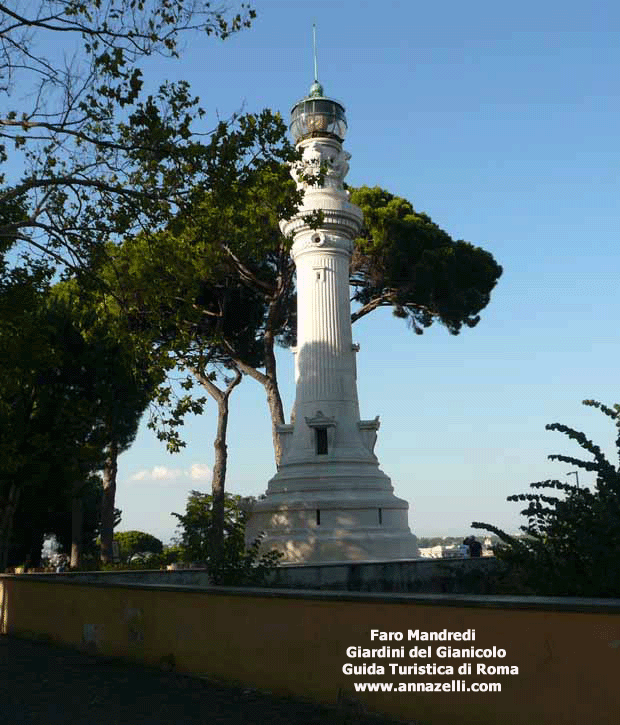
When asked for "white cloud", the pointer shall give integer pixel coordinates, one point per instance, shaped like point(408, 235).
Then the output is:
point(196, 472)
point(157, 473)
point(200, 472)
point(162, 473)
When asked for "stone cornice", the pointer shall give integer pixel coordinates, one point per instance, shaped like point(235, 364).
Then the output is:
point(319, 241)
point(348, 219)
point(320, 421)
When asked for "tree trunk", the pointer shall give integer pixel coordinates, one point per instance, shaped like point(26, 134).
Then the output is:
point(107, 502)
point(36, 545)
point(77, 515)
point(218, 481)
point(274, 400)
point(6, 524)
point(219, 477)
point(269, 381)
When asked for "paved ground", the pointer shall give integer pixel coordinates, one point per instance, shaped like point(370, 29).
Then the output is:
point(45, 685)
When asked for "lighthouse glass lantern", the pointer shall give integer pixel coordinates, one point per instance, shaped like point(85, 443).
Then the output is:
point(317, 115)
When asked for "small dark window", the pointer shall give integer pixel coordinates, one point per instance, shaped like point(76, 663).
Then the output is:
point(318, 517)
point(321, 441)
point(380, 516)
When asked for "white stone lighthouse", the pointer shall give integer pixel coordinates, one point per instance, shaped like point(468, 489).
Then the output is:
point(328, 501)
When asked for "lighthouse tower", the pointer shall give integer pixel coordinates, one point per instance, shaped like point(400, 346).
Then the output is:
point(328, 501)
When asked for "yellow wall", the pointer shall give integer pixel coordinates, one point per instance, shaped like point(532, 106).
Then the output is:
point(569, 662)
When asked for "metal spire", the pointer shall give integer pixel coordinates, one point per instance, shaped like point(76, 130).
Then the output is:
point(316, 89)
point(316, 72)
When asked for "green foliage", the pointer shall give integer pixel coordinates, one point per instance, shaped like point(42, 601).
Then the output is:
point(197, 294)
point(45, 509)
point(117, 364)
point(151, 560)
point(147, 563)
point(49, 404)
point(232, 563)
point(23, 352)
point(70, 384)
point(222, 256)
point(137, 542)
point(172, 554)
point(102, 158)
point(572, 538)
point(404, 260)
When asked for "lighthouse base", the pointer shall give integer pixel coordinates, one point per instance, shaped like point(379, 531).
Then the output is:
point(333, 516)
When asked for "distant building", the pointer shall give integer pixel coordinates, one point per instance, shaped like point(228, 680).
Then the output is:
point(451, 551)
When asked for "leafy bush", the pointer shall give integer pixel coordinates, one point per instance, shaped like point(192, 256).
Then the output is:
point(137, 542)
point(172, 554)
point(572, 543)
point(233, 564)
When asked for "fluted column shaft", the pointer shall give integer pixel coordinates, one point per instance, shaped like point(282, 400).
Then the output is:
point(325, 364)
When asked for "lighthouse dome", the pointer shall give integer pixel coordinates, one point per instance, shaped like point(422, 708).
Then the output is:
point(316, 115)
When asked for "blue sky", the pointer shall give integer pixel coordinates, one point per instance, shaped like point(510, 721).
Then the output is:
point(501, 122)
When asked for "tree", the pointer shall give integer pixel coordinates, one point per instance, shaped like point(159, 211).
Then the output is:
point(137, 542)
point(221, 453)
point(51, 433)
point(47, 511)
point(21, 294)
point(572, 538)
point(100, 158)
point(125, 395)
point(101, 377)
point(232, 563)
point(103, 161)
point(125, 387)
point(200, 303)
point(70, 400)
point(403, 260)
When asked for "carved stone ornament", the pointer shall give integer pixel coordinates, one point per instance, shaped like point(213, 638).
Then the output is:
point(285, 433)
point(321, 155)
point(368, 430)
point(321, 421)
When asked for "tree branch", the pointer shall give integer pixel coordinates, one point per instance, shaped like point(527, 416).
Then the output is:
point(246, 273)
point(233, 383)
point(211, 387)
point(383, 299)
point(68, 180)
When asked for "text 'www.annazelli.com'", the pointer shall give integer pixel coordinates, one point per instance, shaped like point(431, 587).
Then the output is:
point(452, 686)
